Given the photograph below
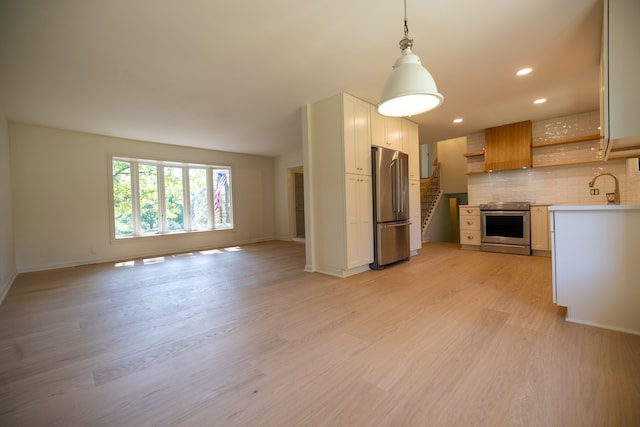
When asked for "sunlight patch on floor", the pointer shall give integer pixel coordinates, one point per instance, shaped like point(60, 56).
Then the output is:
point(156, 260)
point(125, 264)
point(211, 252)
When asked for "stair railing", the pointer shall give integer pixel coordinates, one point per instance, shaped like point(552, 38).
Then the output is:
point(429, 190)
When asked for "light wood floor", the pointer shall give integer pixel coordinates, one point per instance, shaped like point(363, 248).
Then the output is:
point(246, 338)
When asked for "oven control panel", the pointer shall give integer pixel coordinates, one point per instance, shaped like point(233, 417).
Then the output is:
point(506, 206)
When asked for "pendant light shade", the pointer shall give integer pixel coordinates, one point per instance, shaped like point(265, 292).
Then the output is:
point(410, 89)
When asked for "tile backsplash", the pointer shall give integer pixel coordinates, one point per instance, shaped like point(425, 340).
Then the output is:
point(572, 126)
point(554, 184)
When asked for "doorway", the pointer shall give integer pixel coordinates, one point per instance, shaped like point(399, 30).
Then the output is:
point(299, 203)
point(295, 178)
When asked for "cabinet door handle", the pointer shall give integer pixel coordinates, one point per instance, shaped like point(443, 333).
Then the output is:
point(469, 210)
point(469, 222)
point(469, 237)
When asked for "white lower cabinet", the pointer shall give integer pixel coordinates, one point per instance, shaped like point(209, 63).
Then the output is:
point(359, 233)
point(540, 236)
point(470, 227)
point(595, 264)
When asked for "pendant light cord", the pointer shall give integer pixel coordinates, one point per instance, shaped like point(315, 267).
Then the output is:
point(406, 26)
point(406, 42)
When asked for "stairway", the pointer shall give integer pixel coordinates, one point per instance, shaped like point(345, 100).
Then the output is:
point(430, 196)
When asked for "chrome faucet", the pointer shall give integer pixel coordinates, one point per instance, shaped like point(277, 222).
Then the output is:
point(612, 198)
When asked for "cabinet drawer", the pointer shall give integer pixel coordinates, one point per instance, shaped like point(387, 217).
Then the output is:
point(470, 238)
point(469, 210)
point(469, 223)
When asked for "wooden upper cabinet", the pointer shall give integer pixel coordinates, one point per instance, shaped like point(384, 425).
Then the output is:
point(508, 146)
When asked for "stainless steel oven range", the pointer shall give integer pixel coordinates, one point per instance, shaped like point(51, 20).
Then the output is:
point(506, 227)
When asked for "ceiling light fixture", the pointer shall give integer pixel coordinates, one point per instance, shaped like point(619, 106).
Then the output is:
point(540, 101)
point(524, 71)
point(410, 89)
point(458, 120)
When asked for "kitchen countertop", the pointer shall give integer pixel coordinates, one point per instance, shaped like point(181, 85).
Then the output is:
point(593, 207)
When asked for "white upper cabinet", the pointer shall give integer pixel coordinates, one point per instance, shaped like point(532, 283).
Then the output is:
point(620, 100)
point(410, 145)
point(357, 140)
point(386, 131)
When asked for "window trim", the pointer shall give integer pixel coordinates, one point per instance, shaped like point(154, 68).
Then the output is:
point(135, 202)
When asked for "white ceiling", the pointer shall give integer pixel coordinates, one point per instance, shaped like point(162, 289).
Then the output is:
point(232, 75)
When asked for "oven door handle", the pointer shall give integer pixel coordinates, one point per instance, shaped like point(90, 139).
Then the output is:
point(504, 212)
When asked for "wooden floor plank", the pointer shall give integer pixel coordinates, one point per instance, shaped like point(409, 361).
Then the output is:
point(243, 336)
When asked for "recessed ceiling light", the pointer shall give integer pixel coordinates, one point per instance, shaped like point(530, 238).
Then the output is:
point(458, 120)
point(540, 101)
point(524, 71)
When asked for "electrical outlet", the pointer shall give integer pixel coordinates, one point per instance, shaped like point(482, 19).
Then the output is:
point(595, 191)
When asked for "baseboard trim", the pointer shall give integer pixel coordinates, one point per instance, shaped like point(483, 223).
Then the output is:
point(470, 247)
point(540, 253)
point(602, 325)
point(7, 285)
point(119, 258)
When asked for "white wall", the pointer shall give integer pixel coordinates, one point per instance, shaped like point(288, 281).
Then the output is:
point(281, 188)
point(425, 157)
point(60, 181)
point(427, 168)
point(7, 258)
point(438, 230)
point(453, 165)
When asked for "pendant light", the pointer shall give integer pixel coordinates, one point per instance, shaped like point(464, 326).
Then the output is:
point(410, 89)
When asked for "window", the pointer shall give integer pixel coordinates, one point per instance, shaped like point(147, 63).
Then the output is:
point(173, 191)
point(148, 197)
point(153, 197)
point(122, 207)
point(199, 201)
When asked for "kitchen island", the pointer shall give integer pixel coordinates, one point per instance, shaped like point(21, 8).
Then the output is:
point(596, 264)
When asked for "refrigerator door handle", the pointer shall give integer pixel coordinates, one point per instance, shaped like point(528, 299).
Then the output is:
point(396, 224)
point(394, 185)
point(399, 186)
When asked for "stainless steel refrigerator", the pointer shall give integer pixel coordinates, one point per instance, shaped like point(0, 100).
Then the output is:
point(390, 207)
